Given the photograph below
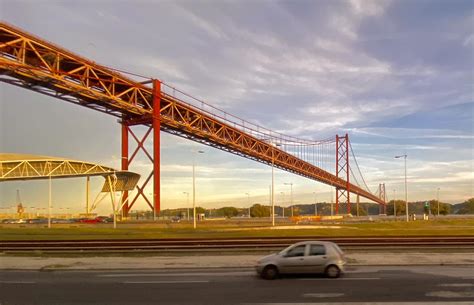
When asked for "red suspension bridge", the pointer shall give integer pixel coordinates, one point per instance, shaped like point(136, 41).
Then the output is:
point(35, 64)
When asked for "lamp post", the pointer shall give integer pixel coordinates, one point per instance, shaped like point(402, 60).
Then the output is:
point(315, 205)
point(283, 204)
point(406, 194)
point(332, 201)
point(248, 201)
point(194, 187)
point(187, 203)
point(49, 203)
point(291, 196)
point(273, 185)
point(437, 199)
point(394, 206)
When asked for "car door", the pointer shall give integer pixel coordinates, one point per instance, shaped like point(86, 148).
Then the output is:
point(293, 260)
point(317, 258)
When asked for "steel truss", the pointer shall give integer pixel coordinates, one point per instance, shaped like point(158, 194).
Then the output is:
point(342, 170)
point(383, 196)
point(37, 65)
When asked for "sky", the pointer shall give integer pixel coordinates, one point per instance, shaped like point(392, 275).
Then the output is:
point(397, 76)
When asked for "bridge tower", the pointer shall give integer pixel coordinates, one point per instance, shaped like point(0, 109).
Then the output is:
point(343, 196)
point(383, 197)
point(153, 124)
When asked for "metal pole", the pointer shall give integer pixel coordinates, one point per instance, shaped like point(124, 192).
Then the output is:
point(332, 199)
point(154, 207)
point(394, 206)
point(273, 192)
point(406, 192)
point(291, 190)
point(194, 194)
point(248, 201)
point(358, 200)
point(437, 199)
point(49, 203)
point(194, 186)
point(87, 194)
point(187, 202)
point(315, 205)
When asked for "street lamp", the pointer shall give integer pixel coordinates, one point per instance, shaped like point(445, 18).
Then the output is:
point(291, 196)
point(187, 202)
point(406, 194)
point(437, 199)
point(315, 205)
point(194, 187)
point(394, 206)
point(283, 203)
point(273, 184)
point(248, 201)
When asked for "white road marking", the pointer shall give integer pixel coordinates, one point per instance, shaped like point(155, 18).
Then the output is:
point(17, 282)
point(240, 273)
point(370, 303)
point(451, 294)
point(164, 282)
point(322, 295)
point(342, 279)
point(457, 285)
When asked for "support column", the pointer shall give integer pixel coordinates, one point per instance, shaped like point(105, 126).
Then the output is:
point(347, 176)
point(337, 173)
point(343, 171)
point(156, 145)
point(358, 201)
point(88, 179)
point(125, 162)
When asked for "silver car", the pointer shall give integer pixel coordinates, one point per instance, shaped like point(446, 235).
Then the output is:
point(305, 257)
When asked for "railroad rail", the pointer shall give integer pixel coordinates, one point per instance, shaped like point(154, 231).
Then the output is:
point(226, 244)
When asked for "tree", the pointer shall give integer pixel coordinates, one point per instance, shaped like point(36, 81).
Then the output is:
point(444, 208)
point(399, 206)
point(258, 210)
point(467, 207)
point(228, 212)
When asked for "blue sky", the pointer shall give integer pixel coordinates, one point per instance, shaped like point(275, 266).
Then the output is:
point(396, 75)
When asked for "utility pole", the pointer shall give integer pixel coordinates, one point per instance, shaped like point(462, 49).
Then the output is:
point(406, 194)
point(437, 199)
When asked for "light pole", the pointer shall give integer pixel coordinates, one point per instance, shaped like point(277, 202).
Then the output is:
point(187, 202)
point(248, 201)
point(394, 206)
point(291, 196)
point(194, 187)
point(273, 185)
point(49, 203)
point(332, 201)
point(283, 203)
point(315, 205)
point(437, 199)
point(406, 194)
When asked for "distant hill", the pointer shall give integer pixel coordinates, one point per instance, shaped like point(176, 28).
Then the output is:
point(467, 207)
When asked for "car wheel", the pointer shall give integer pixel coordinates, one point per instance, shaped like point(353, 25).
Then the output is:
point(270, 272)
point(332, 271)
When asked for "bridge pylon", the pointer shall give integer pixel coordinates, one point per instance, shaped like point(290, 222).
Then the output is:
point(383, 197)
point(343, 196)
point(153, 124)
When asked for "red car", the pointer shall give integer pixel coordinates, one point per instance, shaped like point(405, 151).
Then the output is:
point(90, 220)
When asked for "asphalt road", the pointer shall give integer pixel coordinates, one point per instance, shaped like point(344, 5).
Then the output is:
point(360, 285)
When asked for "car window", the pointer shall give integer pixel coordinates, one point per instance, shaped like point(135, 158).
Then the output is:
point(317, 250)
point(296, 251)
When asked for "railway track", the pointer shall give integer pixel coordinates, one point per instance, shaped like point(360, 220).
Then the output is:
point(227, 244)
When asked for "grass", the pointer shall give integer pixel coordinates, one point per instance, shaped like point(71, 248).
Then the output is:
point(447, 227)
